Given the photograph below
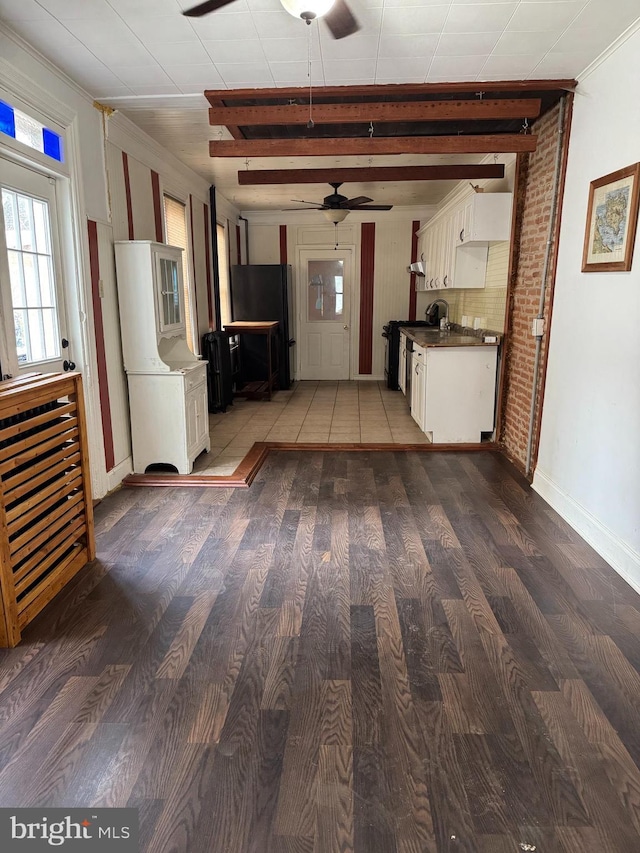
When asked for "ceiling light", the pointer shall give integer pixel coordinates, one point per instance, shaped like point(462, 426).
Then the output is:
point(307, 9)
point(335, 216)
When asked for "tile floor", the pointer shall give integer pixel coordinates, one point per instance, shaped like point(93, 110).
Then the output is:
point(310, 412)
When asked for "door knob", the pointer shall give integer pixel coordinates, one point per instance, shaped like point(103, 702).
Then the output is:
point(345, 327)
point(69, 365)
point(65, 343)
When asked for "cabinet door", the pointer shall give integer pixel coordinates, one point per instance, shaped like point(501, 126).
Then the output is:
point(402, 370)
point(437, 257)
point(169, 294)
point(196, 415)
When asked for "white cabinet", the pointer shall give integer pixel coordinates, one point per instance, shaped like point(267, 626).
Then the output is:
point(167, 382)
point(454, 247)
point(485, 217)
point(459, 388)
point(402, 369)
point(419, 357)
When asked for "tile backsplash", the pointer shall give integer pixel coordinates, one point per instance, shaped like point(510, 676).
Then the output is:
point(488, 302)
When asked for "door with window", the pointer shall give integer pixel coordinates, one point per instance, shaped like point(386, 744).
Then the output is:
point(31, 294)
point(324, 278)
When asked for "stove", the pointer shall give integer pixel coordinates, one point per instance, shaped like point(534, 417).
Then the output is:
point(391, 333)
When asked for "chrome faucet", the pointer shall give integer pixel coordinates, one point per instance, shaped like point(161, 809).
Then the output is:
point(446, 309)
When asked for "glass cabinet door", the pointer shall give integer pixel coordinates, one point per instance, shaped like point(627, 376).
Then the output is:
point(169, 301)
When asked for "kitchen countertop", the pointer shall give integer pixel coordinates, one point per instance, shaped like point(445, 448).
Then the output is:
point(436, 338)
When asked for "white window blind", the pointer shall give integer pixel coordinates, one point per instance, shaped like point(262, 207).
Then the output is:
point(223, 274)
point(175, 224)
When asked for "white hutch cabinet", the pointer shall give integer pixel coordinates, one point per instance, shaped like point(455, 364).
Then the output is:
point(167, 382)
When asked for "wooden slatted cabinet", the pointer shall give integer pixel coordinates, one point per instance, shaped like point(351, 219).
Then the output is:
point(46, 510)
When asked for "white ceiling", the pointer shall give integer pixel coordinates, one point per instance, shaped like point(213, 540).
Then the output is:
point(146, 59)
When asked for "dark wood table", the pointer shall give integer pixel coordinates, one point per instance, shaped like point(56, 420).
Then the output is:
point(260, 389)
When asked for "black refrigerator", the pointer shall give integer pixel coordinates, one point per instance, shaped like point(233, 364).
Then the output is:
point(264, 292)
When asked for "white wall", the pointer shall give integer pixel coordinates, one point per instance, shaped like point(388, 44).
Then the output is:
point(589, 457)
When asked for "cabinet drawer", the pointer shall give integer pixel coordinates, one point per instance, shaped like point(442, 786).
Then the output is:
point(194, 378)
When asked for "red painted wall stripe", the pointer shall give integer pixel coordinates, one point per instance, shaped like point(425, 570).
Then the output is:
point(238, 249)
point(103, 384)
point(127, 190)
point(415, 225)
point(207, 255)
point(195, 283)
point(367, 253)
point(283, 244)
point(157, 205)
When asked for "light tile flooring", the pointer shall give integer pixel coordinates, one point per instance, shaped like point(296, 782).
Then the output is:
point(360, 412)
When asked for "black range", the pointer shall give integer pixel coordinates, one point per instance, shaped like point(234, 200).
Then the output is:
point(391, 333)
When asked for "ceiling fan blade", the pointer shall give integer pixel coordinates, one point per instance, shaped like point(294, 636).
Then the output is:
point(357, 201)
point(205, 8)
point(341, 21)
point(314, 203)
point(373, 207)
point(311, 207)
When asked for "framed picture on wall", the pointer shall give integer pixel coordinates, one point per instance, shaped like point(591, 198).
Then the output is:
point(612, 217)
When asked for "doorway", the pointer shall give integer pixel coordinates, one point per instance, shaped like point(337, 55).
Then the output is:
point(32, 297)
point(324, 297)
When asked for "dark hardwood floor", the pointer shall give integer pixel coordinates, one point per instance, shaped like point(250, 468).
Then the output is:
point(372, 652)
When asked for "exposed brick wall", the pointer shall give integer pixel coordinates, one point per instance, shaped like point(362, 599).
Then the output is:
point(535, 189)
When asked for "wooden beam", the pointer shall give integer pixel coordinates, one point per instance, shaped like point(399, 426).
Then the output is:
point(462, 172)
point(498, 143)
point(407, 111)
point(398, 90)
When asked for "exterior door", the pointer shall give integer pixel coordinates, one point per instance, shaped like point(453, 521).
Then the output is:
point(324, 278)
point(31, 294)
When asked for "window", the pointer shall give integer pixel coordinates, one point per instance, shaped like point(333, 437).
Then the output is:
point(35, 312)
point(30, 132)
point(175, 223)
point(223, 275)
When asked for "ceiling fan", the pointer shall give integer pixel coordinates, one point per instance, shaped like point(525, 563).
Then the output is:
point(336, 207)
point(336, 14)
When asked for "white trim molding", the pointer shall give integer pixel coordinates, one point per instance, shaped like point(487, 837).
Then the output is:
point(611, 548)
point(116, 475)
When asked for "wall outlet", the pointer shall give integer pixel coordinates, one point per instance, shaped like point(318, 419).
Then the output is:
point(465, 320)
point(479, 322)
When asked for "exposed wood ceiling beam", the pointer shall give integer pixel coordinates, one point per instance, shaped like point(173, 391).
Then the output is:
point(462, 172)
point(502, 108)
point(499, 143)
point(398, 90)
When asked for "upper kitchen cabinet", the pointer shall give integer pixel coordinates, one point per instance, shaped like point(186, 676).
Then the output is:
point(484, 218)
point(454, 245)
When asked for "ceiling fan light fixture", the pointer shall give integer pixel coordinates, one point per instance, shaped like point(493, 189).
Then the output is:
point(307, 9)
point(335, 216)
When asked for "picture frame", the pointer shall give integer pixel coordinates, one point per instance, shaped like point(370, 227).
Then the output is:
point(612, 218)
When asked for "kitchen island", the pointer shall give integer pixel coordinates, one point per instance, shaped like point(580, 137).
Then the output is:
point(453, 384)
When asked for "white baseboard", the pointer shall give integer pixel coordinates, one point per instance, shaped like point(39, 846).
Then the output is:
point(611, 548)
point(116, 475)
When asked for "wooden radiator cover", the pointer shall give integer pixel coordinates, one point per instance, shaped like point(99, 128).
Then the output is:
point(46, 510)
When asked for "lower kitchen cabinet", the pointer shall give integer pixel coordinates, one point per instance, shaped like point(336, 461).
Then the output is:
point(418, 360)
point(455, 400)
point(402, 368)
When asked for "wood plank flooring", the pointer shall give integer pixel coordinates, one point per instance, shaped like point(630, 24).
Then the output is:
point(362, 653)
